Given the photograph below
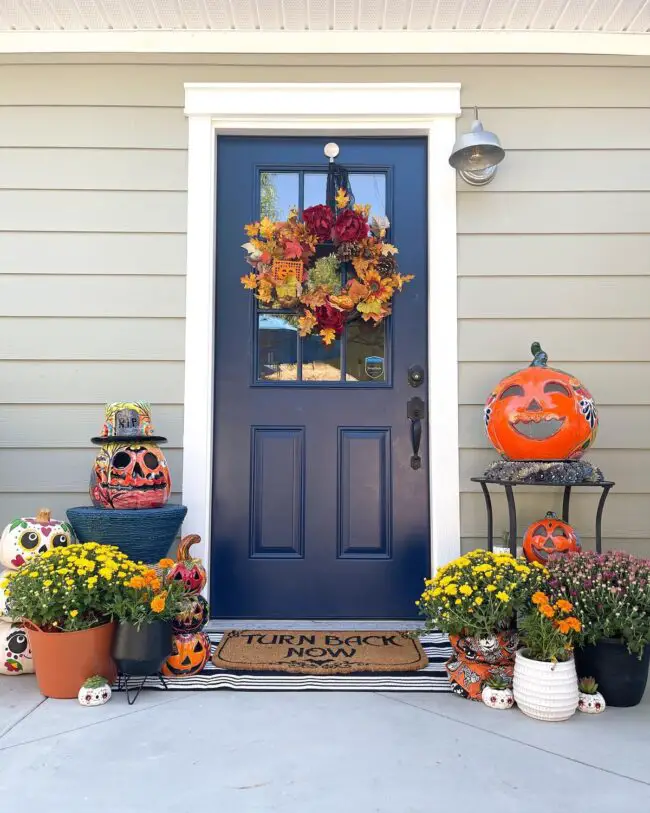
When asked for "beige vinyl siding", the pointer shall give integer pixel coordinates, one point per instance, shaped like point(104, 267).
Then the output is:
point(92, 255)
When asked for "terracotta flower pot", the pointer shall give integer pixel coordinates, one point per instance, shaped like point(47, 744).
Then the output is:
point(64, 660)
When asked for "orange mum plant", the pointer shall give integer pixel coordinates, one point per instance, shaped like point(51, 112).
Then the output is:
point(146, 597)
point(549, 629)
point(357, 279)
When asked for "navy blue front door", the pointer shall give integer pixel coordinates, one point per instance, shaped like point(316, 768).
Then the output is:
point(317, 512)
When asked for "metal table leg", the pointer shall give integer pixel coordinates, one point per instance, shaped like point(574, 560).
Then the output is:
point(512, 516)
point(599, 518)
point(488, 508)
point(565, 503)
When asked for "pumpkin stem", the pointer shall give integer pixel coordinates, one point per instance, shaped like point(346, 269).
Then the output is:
point(43, 515)
point(184, 546)
point(540, 357)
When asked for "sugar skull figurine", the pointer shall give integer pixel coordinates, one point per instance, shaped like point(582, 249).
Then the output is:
point(539, 413)
point(15, 652)
point(95, 691)
point(130, 470)
point(25, 536)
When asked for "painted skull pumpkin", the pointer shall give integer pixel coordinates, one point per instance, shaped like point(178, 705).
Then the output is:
point(190, 653)
point(24, 537)
point(15, 652)
point(95, 692)
point(187, 569)
point(540, 413)
point(193, 617)
point(130, 475)
point(547, 536)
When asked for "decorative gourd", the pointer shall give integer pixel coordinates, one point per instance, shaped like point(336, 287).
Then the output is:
point(187, 569)
point(15, 652)
point(547, 536)
point(193, 617)
point(130, 475)
point(190, 654)
point(539, 413)
point(24, 537)
point(95, 691)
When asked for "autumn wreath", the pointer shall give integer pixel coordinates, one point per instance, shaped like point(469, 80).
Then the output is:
point(288, 274)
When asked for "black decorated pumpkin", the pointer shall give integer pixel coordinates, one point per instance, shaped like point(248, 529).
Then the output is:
point(193, 617)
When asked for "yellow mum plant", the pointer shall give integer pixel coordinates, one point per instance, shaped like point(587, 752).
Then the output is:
point(478, 593)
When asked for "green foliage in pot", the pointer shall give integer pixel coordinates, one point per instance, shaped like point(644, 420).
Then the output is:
point(548, 629)
point(610, 593)
point(148, 596)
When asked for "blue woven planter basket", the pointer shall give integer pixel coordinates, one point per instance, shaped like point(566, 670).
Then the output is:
point(144, 534)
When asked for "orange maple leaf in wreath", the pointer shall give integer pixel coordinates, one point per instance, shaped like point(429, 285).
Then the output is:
point(252, 229)
point(328, 335)
point(356, 291)
point(315, 298)
point(292, 250)
point(249, 281)
point(342, 201)
point(307, 323)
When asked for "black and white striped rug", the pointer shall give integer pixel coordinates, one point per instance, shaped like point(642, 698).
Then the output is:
point(433, 678)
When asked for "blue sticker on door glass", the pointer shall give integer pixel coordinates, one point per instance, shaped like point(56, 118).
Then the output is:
point(374, 366)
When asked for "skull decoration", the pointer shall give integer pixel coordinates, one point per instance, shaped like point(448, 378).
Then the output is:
point(190, 654)
point(498, 698)
point(193, 617)
point(95, 691)
point(187, 569)
point(547, 536)
point(540, 413)
point(130, 475)
point(15, 652)
point(26, 536)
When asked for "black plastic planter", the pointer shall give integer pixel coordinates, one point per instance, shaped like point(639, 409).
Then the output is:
point(141, 652)
point(621, 677)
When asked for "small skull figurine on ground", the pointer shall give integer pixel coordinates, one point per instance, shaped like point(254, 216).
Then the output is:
point(95, 691)
point(497, 694)
point(590, 700)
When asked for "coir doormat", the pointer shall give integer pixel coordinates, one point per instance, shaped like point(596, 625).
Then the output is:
point(320, 652)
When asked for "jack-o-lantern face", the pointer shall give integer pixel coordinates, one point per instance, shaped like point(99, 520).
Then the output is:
point(547, 536)
point(25, 537)
point(133, 475)
point(540, 414)
point(188, 570)
point(193, 617)
point(190, 654)
point(15, 652)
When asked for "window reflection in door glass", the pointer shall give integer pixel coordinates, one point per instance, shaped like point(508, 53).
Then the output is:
point(277, 348)
point(365, 356)
point(321, 362)
point(315, 188)
point(370, 187)
point(279, 193)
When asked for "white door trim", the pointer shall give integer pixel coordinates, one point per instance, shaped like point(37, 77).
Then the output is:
point(327, 109)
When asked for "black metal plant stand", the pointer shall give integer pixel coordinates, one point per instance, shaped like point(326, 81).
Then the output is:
point(123, 684)
point(509, 487)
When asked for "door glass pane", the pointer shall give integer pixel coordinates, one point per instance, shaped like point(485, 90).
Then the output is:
point(277, 347)
point(315, 188)
point(321, 362)
point(366, 351)
point(279, 192)
point(370, 187)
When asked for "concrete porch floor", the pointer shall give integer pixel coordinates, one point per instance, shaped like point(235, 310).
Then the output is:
point(235, 752)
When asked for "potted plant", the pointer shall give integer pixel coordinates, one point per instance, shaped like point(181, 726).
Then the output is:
point(497, 693)
point(590, 700)
point(545, 684)
point(144, 607)
point(62, 597)
point(474, 599)
point(611, 594)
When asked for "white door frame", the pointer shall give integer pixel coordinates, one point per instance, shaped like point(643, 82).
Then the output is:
point(327, 109)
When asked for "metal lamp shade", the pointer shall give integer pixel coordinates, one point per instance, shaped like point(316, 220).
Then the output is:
point(476, 155)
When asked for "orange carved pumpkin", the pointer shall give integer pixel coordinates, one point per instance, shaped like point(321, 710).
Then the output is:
point(190, 653)
point(540, 413)
point(187, 569)
point(547, 536)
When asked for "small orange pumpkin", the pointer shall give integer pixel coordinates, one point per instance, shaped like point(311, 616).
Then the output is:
point(547, 536)
point(539, 413)
point(190, 653)
point(187, 569)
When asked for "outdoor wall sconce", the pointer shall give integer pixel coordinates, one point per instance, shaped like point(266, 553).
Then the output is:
point(476, 154)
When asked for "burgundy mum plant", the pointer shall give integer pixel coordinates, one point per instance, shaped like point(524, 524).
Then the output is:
point(610, 593)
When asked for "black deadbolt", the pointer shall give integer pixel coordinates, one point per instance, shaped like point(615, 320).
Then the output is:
point(416, 375)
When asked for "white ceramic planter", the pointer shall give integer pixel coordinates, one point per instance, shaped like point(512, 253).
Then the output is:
point(498, 698)
point(591, 703)
point(544, 690)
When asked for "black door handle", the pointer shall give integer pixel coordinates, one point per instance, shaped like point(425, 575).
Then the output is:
point(415, 412)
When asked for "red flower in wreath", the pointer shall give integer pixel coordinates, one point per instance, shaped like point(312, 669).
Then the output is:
point(330, 318)
point(319, 220)
point(349, 227)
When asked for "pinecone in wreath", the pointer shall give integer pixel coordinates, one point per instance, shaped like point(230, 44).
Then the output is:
point(346, 251)
point(386, 266)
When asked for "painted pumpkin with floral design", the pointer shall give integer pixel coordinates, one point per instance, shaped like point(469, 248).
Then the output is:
point(539, 413)
point(24, 537)
point(188, 569)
